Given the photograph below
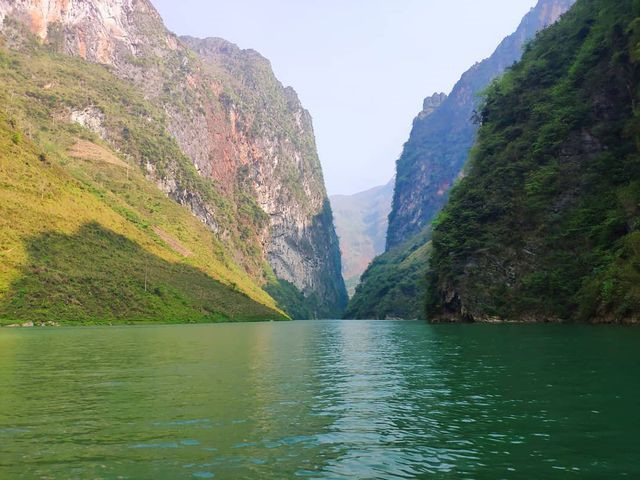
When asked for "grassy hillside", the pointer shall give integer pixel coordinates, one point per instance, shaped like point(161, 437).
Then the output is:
point(546, 226)
point(393, 286)
point(84, 236)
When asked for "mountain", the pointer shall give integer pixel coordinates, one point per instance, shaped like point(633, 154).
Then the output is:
point(393, 285)
point(546, 224)
point(224, 138)
point(85, 237)
point(444, 132)
point(271, 144)
point(361, 222)
point(432, 160)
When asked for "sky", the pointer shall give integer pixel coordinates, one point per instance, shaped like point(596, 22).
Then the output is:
point(361, 67)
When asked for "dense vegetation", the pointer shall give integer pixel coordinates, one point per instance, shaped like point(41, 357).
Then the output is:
point(443, 133)
point(84, 236)
point(431, 161)
point(393, 285)
point(546, 225)
point(290, 298)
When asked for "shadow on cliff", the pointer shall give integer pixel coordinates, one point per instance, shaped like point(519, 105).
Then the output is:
point(336, 289)
point(328, 299)
point(98, 276)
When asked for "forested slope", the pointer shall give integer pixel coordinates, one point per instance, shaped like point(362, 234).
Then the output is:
point(546, 225)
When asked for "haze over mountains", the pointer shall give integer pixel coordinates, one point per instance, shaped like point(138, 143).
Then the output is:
point(361, 223)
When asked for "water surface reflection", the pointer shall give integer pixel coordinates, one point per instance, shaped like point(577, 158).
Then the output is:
point(319, 400)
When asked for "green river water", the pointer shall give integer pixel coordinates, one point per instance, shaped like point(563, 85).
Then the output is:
point(320, 400)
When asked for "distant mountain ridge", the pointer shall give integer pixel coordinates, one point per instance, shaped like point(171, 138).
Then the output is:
point(361, 222)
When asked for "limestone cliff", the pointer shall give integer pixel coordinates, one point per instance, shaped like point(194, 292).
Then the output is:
point(270, 145)
point(259, 185)
point(444, 132)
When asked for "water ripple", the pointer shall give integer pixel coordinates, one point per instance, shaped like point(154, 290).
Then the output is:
point(319, 400)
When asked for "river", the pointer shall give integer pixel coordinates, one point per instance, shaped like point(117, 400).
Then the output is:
point(320, 400)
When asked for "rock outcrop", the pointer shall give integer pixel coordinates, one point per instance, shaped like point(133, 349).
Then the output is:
point(110, 32)
point(259, 184)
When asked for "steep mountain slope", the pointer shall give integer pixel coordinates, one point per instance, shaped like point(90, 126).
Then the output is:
point(250, 141)
point(432, 160)
point(361, 222)
point(444, 132)
point(393, 286)
point(546, 226)
point(270, 142)
point(84, 237)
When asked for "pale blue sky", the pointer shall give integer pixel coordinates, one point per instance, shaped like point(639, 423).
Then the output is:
point(361, 67)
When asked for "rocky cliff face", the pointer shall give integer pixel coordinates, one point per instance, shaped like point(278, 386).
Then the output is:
point(260, 184)
point(444, 132)
point(104, 31)
point(268, 145)
point(545, 227)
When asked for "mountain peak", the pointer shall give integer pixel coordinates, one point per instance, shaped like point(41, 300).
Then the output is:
point(544, 14)
point(431, 104)
point(549, 11)
point(213, 46)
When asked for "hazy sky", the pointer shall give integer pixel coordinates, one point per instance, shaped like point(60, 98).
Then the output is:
point(361, 67)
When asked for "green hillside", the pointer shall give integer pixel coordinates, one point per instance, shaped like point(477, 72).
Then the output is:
point(85, 237)
point(434, 158)
point(546, 225)
point(393, 286)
